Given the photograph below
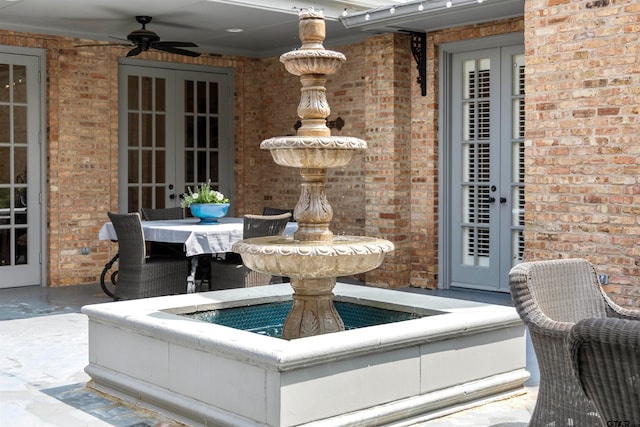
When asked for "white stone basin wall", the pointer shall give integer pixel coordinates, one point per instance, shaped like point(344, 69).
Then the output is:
point(208, 374)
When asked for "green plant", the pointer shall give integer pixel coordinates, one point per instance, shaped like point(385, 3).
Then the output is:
point(203, 194)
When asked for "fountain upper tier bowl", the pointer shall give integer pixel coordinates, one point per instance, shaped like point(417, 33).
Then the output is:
point(342, 256)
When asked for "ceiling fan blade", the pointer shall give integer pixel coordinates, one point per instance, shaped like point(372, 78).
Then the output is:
point(120, 38)
point(175, 44)
point(133, 52)
point(175, 50)
point(103, 44)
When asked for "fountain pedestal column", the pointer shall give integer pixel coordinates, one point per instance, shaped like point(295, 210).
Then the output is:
point(313, 211)
point(313, 312)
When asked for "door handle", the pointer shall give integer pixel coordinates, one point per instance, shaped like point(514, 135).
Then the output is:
point(503, 200)
point(491, 199)
point(172, 196)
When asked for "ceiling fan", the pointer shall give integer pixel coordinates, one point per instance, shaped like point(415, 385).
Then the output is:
point(144, 39)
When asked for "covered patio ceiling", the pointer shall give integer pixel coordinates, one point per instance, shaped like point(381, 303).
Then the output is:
point(243, 27)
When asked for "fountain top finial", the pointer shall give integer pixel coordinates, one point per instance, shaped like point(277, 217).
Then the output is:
point(310, 13)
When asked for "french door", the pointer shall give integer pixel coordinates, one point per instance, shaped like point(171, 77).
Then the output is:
point(21, 118)
point(175, 132)
point(486, 164)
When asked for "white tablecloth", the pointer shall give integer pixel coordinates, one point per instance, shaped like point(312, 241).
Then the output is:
point(197, 238)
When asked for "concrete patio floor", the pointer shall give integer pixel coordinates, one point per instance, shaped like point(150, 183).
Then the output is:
point(43, 353)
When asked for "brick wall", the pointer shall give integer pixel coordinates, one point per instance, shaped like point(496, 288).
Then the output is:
point(82, 146)
point(388, 191)
point(581, 155)
point(582, 152)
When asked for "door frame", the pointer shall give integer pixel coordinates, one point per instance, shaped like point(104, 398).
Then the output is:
point(42, 237)
point(227, 126)
point(446, 51)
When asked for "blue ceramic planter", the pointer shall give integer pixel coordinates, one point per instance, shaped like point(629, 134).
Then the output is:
point(209, 212)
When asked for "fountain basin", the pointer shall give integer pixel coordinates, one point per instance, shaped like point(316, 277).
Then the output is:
point(207, 374)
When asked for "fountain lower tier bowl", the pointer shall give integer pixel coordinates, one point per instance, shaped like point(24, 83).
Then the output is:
point(343, 256)
point(313, 151)
point(199, 373)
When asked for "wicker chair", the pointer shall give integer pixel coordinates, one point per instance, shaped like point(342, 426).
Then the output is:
point(163, 249)
point(606, 359)
point(230, 272)
point(267, 210)
point(158, 214)
point(550, 297)
point(139, 276)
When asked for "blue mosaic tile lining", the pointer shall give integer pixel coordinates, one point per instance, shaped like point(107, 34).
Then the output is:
point(267, 319)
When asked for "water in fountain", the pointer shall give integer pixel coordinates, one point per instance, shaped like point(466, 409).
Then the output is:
point(313, 258)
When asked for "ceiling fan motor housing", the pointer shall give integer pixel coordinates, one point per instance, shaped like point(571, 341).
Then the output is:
point(143, 38)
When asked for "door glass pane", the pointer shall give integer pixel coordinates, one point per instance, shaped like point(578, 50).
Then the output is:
point(134, 202)
point(5, 244)
point(160, 95)
point(189, 166)
point(147, 130)
point(5, 203)
point(21, 200)
point(188, 96)
point(5, 131)
point(14, 152)
point(147, 167)
point(133, 130)
point(132, 93)
point(147, 197)
point(21, 246)
point(147, 161)
point(213, 98)
point(161, 129)
point(161, 166)
point(133, 167)
point(20, 161)
point(4, 83)
point(19, 83)
point(213, 161)
point(160, 197)
point(202, 166)
point(517, 160)
point(202, 97)
point(189, 132)
point(214, 131)
point(476, 162)
point(146, 95)
point(201, 132)
point(5, 166)
point(19, 125)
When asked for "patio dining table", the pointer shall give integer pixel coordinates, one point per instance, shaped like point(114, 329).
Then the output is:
point(198, 238)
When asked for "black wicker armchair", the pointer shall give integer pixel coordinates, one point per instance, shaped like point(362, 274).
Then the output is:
point(164, 249)
point(550, 297)
point(138, 275)
point(230, 272)
point(606, 359)
point(159, 214)
point(268, 210)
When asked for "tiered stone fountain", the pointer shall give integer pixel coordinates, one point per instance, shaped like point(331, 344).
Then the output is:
point(313, 258)
point(151, 353)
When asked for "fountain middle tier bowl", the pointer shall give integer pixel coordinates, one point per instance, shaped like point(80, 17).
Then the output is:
point(313, 151)
point(343, 256)
point(312, 61)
